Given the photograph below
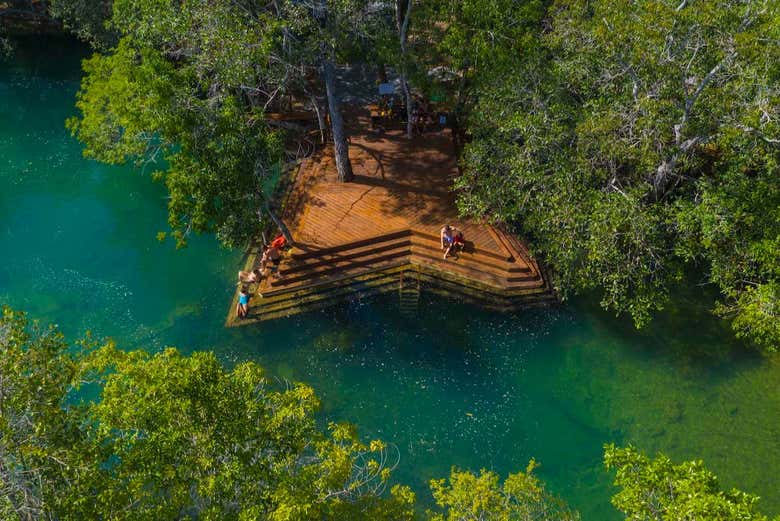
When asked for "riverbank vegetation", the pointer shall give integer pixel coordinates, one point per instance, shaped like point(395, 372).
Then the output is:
point(635, 145)
point(636, 141)
point(88, 431)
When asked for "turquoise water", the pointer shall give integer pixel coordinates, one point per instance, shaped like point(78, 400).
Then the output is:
point(452, 386)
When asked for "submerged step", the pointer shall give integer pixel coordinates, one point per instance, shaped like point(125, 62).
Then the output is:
point(300, 303)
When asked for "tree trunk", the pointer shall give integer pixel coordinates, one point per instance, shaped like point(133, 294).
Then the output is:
point(278, 222)
point(403, 14)
point(340, 146)
point(267, 207)
point(409, 107)
point(320, 118)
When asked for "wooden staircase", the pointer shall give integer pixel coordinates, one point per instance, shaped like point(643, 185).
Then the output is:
point(405, 260)
point(409, 293)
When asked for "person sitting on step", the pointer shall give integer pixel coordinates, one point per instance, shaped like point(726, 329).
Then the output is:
point(446, 236)
point(279, 242)
point(250, 277)
point(271, 259)
point(456, 244)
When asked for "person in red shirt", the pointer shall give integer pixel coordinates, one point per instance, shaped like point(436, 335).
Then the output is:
point(279, 242)
point(272, 258)
point(457, 243)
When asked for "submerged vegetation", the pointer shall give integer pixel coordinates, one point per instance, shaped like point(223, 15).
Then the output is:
point(91, 432)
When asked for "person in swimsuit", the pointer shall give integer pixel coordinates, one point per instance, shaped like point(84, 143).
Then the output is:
point(250, 277)
point(242, 308)
point(446, 236)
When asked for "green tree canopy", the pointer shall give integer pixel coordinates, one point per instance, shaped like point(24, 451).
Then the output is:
point(521, 497)
point(171, 437)
point(640, 139)
point(181, 98)
point(459, 48)
point(659, 490)
point(87, 19)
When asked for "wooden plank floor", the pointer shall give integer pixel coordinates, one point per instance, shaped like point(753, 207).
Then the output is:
point(398, 184)
point(402, 187)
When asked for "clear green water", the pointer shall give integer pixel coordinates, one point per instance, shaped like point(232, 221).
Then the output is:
point(78, 249)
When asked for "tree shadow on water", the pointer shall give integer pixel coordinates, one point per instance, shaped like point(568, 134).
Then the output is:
point(686, 335)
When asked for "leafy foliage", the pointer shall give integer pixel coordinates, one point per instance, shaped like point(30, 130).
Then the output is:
point(521, 497)
point(171, 437)
point(41, 442)
point(658, 490)
point(187, 118)
point(87, 19)
point(89, 431)
point(634, 141)
point(459, 48)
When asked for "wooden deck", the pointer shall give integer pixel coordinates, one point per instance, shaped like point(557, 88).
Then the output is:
point(380, 232)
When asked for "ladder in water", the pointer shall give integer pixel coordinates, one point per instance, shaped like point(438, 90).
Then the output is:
point(409, 293)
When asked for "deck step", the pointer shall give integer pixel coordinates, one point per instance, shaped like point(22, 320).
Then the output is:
point(326, 264)
point(456, 288)
point(477, 274)
point(495, 234)
point(467, 299)
point(501, 255)
point(319, 301)
point(324, 287)
point(295, 265)
point(465, 280)
point(452, 290)
point(302, 295)
point(501, 275)
point(314, 251)
point(320, 284)
point(511, 242)
point(425, 247)
point(484, 257)
point(341, 269)
point(322, 304)
point(323, 270)
point(301, 300)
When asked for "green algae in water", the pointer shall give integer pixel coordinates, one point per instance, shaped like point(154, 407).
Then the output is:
point(454, 385)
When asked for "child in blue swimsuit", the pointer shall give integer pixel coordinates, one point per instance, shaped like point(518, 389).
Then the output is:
point(242, 308)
